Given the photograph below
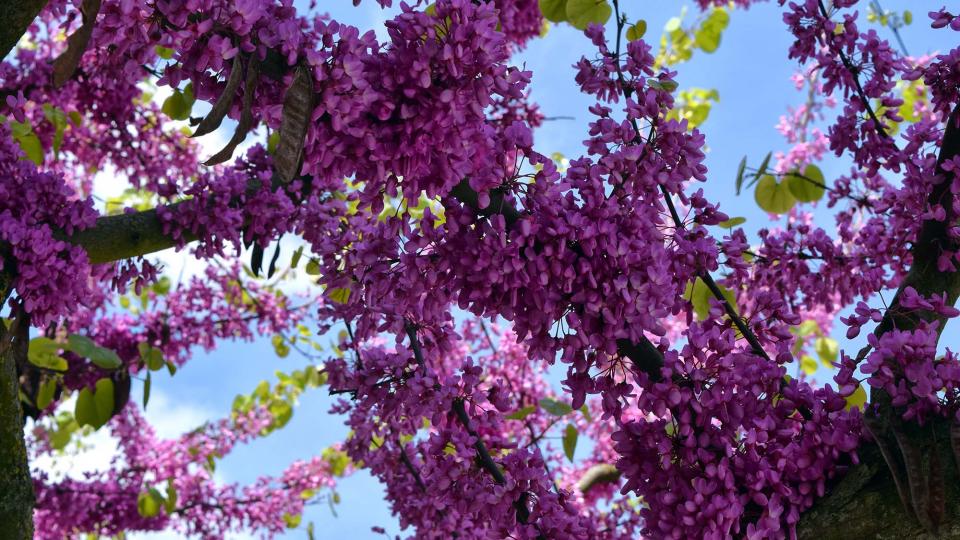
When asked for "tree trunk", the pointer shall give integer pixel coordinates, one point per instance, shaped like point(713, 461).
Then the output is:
point(864, 504)
point(16, 486)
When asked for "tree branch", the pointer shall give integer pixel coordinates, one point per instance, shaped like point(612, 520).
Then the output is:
point(866, 503)
point(124, 236)
point(15, 18)
point(16, 486)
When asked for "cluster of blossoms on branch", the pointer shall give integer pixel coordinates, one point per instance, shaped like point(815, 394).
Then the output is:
point(412, 210)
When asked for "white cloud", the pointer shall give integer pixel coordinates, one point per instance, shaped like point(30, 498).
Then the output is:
point(169, 419)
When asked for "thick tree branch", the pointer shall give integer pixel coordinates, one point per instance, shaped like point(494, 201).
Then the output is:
point(15, 18)
point(867, 502)
point(16, 486)
point(125, 236)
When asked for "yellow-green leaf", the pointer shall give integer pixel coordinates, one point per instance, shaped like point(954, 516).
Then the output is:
point(85, 410)
point(637, 31)
point(45, 392)
point(554, 10)
point(339, 295)
point(772, 196)
point(520, 414)
point(43, 352)
point(808, 187)
point(100, 356)
point(148, 505)
point(177, 106)
point(151, 356)
point(827, 349)
point(808, 365)
point(570, 436)
point(554, 407)
point(581, 13)
point(732, 222)
point(103, 400)
point(857, 399)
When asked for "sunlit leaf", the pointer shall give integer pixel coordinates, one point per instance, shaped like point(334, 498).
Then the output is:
point(581, 13)
point(637, 30)
point(554, 407)
point(808, 365)
point(857, 399)
point(554, 10)
point(732, 222)
point(44, 353)
point(100, 356)
point(772, 196)
point(520, 414)
point(570, 436)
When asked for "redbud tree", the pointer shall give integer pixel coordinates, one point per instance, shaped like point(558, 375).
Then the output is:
point(454, 264)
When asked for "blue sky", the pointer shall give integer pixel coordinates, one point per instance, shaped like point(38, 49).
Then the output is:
point(751, 72)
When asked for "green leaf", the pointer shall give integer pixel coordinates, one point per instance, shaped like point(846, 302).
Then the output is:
point(740, 169)
point(808, 365)
point(338, 460)
point(772, 196)
point(554, 10)
point(103, 400)
point(807, 328)
point(707, 37)
point(637, 31)
point(146, 389)
point(59, 120)
point(554, 407)
point(586, 413)
point(520, 414)
point(44, 353)
point(857, 399)
point(85, 410)
point(45, 392)
point(292, 520)
point(177, 106)
point(151, 356)
point(148, 505)
point(698, 294)
point(30, 144)
point(581, 13)
point(282, 412)
point(907, 17)
point(280, 346)
point(85, 347)
point(764, 164)
point(665, 85)
point(673, 24)
point(827, 349)
point(313, 268)
point(732, 222)
point(809, 187)
point(339, 295)
point(570, 436)
point(295, 260)
point(164, 52)
point(170, 504)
